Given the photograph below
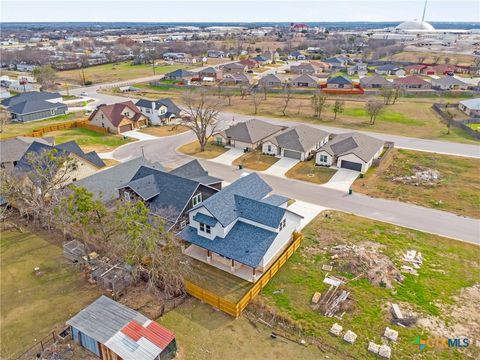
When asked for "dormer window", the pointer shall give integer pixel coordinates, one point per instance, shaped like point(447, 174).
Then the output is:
point(197, 199)
point(205, 228)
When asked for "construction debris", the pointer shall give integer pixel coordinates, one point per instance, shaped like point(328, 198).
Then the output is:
point(414, 259)
point(333, 303)
point(327, 267)
point(422, 176)
point(332, 281)
point(316, 297)
point(350, 337)
point(374, 348)
point(385, 351)
point(391, 334)
point(398, 318)
point(409, 270)
point(278, 291)
point(336, 329)
point(396, 312)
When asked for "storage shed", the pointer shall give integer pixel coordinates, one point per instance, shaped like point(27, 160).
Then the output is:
point(113, 331)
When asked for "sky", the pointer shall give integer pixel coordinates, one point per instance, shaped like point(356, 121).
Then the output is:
point(236, 11)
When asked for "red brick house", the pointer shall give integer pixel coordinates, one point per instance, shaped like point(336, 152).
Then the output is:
point(119, 117)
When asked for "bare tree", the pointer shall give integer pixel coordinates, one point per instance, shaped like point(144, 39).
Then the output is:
point(475, 62)
point(265, 90)
point(45, 76)
point(449, 117)
point(421, 59)
point(287, 96)
point(436, 59)
point(256, 99)
point(319, 102)
point(338, 107)
point(446, 60)
point(202, 115)
point(391, 94)
point(228, 95)
point(374, 108)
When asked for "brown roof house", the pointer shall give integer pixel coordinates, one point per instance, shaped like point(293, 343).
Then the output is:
point(412, 82)
point(270, 80)
point(305, 80)
point(119, 117)
point(374, 82)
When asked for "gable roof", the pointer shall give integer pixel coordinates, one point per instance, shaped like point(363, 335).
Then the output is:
point(363, 146)
point(448, 80)
point(167, 102)
point(303, 66)
point(270, 78)
point(411, 80)
point(251, 131)
point(193, 170)
point(259, 211)
point(375, 79)
point(300, 138)
point(235, 65)
point(30, 96)
point(13, 149)
point(340, 80)
point(305, 78)
point(33, 106)
point(114, 112)
point(179, 73)
point(104, 184)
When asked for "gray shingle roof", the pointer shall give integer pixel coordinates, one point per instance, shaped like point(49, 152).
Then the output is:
point(300, 138)
point(275, 200)
point(305, 78)
point(104, 184)
point(251, 131)
point(270, 78)
point(13, 149)
point(179, 73)
point(472, 104)
point(363, 146)
point(340, 80)
point(30, 96)
point(448, 80)
point(259, 211)
point(33, 106)
point(103, 318)
point(375, 79)
point(193, 170)
point(171, 106)
point(205, 219)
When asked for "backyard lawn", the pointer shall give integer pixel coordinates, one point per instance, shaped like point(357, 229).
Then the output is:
point(34, 305)
point(211, 150)
point(90, 140)
point(307, 171)
point(18, 129)
point(255, 160)
point(114, 72)
point(166, 130)
point(204, 333)
point(448, 267)
point(457, 190)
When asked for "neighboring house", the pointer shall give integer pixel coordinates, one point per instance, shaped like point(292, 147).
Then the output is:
point(12, 150)
point(414, 69)
point(270, 80)
point(247, 135)
point(210, 72)
point(104, 184)
point(20, 86)
point(412, 82)
point(305, 81)
point(299, 142)
point(119, 117)
point(262, 60)
point(241, 229)
point(320, 65)
point(167, 196)
point(193, 170)
point(215, 54)
point(470, 107)
point(86, 163)
point(374, 82)
point(270, 55)
point(449, 83)
point(249, 63)
point(178, 74)
point(304, 68)
point(354, 151)
point(390, 69)
point(440, 69)
point(235, 79)
point(32, 106)
point(339, 82)
point(296, 55)
point(360, 69)
point(235, 68)
point(338, 62)
point(160, 111)
point(26, 67)
point(113, 331)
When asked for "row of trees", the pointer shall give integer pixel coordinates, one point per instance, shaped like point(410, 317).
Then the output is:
point(124, 231)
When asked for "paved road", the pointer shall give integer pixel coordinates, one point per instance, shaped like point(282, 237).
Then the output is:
point(402, 214)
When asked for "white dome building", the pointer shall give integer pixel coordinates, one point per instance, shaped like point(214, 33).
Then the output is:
point(414, 25)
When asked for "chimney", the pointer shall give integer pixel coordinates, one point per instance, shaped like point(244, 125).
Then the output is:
point(153, 105)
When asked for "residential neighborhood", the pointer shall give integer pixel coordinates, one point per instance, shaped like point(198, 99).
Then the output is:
point(226, 180)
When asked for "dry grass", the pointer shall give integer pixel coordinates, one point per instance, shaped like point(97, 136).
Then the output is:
point(166, 130)
point(458, 190)
point(211, 150)
point(255, 160)
point(307, 171)
point(459, 59)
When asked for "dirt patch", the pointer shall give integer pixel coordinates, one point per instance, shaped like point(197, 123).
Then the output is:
point(421, 176)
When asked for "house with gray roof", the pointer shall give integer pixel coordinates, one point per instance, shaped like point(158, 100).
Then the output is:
point(449, 83)
point(234, 68)
point(32, 106)
point(470, 107)
point(390, 69)
point(247, 135)
point(159, 112)
point(111, 330)
point(374, 82)
point(179, 74)
point(270, 80)
point(168, 196)
point(238, 78)
point(299, 142)
point(303, 68)
point(12, 150)
point(305, 80)
point(354, 151)
point(242, 229)
point(339, 82)
point(193, 170)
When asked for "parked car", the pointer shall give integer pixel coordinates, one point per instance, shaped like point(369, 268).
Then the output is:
point(83, 93)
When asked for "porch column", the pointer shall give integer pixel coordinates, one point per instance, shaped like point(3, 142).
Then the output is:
point(232, 266)
point(209, 256)
point(254, 275)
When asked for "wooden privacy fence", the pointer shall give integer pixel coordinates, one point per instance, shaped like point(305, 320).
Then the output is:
point(235, 309)
point(85, 124)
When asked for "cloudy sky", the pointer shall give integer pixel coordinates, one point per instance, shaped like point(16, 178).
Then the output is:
point(234, 10)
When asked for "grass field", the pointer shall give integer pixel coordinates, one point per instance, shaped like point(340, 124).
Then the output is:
point(32, 305)
point(89, 140)
point(17, 129)
point(255, 160)
point(457, 191)
point(211, 150)
point(307, 171)
point(166, 130)
point(413, 57)
point(114, 72)
point(448, 267)
point(204, 333)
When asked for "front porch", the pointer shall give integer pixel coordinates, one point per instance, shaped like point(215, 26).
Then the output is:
point(228, 265)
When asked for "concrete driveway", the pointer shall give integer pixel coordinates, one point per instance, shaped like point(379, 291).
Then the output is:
point(342, 180)
point(308, 210)
point(281, 166)
point(228, 157)
point(139, 135)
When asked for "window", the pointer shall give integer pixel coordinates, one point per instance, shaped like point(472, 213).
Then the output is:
point(126, 195)
point(282, 224)
point(148, 111)
point(205, 228)
point(323, 158)
point(183, 224)
point(269, 148)
point(197, 199)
